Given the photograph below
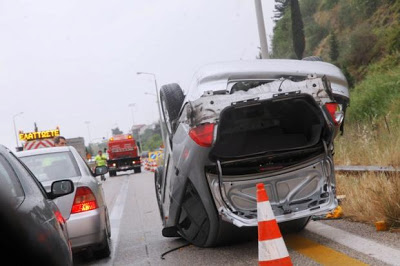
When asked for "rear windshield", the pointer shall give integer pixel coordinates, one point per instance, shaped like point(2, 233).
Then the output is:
point(52, 166)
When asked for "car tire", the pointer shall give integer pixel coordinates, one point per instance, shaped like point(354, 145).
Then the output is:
point(294, 226)
point(171, 96)
point(157, 185)
point(312, 58)
point(137, 170)
point(105, 250)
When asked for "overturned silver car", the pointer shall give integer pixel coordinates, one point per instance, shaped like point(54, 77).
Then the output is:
point(248, 122)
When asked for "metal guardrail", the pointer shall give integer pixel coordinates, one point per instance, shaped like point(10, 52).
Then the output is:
point(366, 168)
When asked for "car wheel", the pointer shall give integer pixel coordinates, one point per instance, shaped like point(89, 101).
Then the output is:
point(137, 170)
point(105, 250)
point(157, 183)
point(172, 97)
point(294, 226)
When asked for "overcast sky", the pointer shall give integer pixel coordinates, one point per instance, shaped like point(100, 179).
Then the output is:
point(66, 62)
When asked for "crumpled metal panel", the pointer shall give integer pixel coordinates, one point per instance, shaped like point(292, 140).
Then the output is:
point(217, 75)
point(208, 107)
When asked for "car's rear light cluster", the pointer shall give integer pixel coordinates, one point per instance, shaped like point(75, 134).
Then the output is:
point(335, 110)
point(84, 200)
point(59, 217)
point(203, 134)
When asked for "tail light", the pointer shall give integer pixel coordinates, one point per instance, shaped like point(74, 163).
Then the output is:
point(59, 217)
point(335, 111)
point(84, 200)
point(203, 134)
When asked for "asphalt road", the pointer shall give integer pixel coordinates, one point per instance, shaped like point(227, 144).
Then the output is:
point(137, 240)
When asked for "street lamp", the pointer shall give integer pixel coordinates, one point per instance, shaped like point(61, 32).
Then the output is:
point(15, 128)
point(261, 30)
point(149, 93)
point(132, 105)
point(158, 101)
point(88, 128)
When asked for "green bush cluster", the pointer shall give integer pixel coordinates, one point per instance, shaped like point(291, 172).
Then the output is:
point(378, 95)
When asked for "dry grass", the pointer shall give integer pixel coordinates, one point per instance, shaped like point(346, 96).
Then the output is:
point(375, 144)
point(370, 197)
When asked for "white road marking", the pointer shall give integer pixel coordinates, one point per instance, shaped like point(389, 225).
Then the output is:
point(378, 251)
point(116, 215)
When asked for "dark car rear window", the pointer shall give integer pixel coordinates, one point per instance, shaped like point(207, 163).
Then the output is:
point(52, 166)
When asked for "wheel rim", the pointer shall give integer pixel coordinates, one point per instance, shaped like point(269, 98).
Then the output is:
point(158, 196)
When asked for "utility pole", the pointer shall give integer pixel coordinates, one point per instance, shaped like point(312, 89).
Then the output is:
point(88, 128)
point(15, 128)
point(158, 102)
point(261, 30)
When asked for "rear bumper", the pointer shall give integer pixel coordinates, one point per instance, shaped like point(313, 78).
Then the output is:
point(302, 191)
point(124, 164)
point(86, 229)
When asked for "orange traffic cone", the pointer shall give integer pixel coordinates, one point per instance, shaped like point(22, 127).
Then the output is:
point(271, 247)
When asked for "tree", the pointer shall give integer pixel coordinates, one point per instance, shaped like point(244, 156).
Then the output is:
point(333, 47)
point(280, 8)
point(299, 42)
point(116, 131)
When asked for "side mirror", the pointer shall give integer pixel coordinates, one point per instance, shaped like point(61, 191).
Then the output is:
point(100, 170)
point(61, 188)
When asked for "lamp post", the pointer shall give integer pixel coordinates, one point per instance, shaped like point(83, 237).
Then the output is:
point(88, 128)
point(158, 101)
point(15, 128)
point(261, 30)
point(132, 105)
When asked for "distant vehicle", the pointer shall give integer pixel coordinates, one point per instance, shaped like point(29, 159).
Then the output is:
point(85, 210)
point(123, 154)
point(144, 154)
point(31, 223)
point(242, 123)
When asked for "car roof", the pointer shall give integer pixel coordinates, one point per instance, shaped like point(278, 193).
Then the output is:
point(215, 76)
point(3, 148)
point(43, 150)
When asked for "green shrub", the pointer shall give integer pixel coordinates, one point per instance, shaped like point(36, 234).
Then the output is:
point(347, 16)
point(360, 46)
point(328, 4)
point(315, 33)
point(376, 96)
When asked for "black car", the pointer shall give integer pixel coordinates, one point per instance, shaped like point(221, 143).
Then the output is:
point(31, 224)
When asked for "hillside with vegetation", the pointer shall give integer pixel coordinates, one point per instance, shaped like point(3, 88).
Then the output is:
point(362, 37)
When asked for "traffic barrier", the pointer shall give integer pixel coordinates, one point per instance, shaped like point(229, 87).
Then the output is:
point(271, 247)
point(153, 166)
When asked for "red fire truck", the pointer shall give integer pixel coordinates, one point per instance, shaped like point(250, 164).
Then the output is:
point(123, 154)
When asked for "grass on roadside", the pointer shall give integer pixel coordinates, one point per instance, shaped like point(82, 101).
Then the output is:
point(371, 197)
point(377, 143)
